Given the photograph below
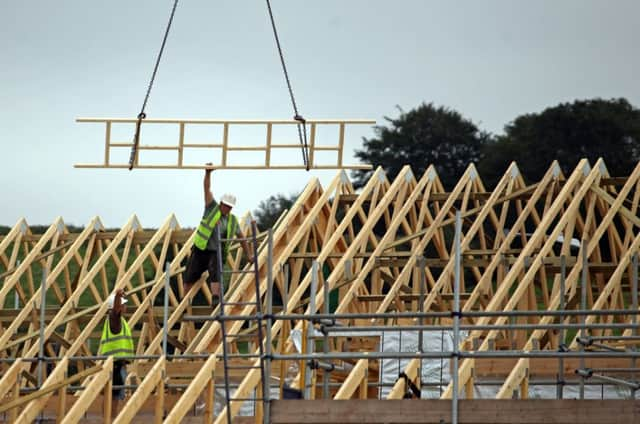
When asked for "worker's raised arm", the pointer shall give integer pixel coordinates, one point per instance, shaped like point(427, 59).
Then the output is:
point(115, 313)
point(208, 196)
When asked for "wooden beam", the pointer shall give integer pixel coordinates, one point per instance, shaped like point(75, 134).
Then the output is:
point(199, 383)
point(519, 373)
point(542, 367)
point(353, 381)
point(399, 388)
point(405, 297)
point(433, 197)
point(142, 393)
point(38, 399)
point(47, 389)
point(10, 376)
point(612, 201)
point(474, 411)
point(90, 392)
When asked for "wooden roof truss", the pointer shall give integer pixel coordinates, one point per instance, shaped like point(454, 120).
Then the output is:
point(388, 248)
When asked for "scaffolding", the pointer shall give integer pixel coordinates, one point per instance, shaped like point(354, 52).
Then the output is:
point(534, 286)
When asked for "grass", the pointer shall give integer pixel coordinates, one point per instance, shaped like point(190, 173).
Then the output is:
point(86, 299)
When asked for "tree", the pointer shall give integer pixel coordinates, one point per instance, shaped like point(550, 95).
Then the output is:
point(567, 132)
point(423, 136)
point(269, 210)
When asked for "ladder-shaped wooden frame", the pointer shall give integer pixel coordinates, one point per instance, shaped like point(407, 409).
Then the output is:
point(226, 147)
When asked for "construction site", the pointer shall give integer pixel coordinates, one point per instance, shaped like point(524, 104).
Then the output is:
point(398, 303)
point(399, 299)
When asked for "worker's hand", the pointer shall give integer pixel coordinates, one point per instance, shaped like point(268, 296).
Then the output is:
point(209, 167)
point(120, 293)
point(250, 259)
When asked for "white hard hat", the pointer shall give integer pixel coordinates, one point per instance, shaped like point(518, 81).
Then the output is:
point(228, 199)
point(112, 298)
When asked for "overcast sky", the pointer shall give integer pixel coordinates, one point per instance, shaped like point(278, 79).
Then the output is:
point(59, 60)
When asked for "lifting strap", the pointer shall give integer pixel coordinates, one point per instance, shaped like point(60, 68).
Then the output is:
point(302, 127)
point(411, 390)
point(142, 115)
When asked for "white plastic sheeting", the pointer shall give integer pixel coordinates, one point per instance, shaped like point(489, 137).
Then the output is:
point(436, 373)
point(433, 370)
point(437, 370)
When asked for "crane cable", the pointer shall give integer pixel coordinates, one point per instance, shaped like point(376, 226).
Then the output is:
point(302, 128)
point(142, 115)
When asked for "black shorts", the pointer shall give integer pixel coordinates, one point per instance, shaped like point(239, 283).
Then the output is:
point(199, 262)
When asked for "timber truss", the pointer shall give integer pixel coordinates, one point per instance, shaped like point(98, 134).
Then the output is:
point(546, 283)
point(223, 144)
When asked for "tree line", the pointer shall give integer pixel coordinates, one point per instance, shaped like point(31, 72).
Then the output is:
point(438, 135)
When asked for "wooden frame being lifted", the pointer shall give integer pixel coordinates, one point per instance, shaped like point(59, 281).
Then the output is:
point(271, 147)
point(385, 250)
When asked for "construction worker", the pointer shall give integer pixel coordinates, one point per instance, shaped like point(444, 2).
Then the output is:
point(117, 341)
point(204, 255)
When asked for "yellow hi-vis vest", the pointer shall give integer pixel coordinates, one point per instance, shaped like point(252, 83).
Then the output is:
point(207, 225)
point(116, 345)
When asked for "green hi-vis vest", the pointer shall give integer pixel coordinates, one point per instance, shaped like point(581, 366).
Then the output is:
point(116, 345)
point(208, 223)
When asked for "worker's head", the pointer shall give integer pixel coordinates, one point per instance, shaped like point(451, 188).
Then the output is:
point(112, 298)
point(227, 202)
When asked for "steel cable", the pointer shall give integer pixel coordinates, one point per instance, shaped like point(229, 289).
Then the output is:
point(142, 115)
point(302, 127)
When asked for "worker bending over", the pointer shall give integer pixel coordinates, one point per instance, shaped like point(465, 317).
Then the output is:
point(204, 253)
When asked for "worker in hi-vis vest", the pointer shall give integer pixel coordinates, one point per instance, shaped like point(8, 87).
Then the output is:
point(204, 255)
point(117, 341)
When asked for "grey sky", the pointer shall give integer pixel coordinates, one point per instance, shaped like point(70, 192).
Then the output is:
point(490, 60)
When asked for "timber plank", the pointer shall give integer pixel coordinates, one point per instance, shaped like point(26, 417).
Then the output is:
point(473, 411)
